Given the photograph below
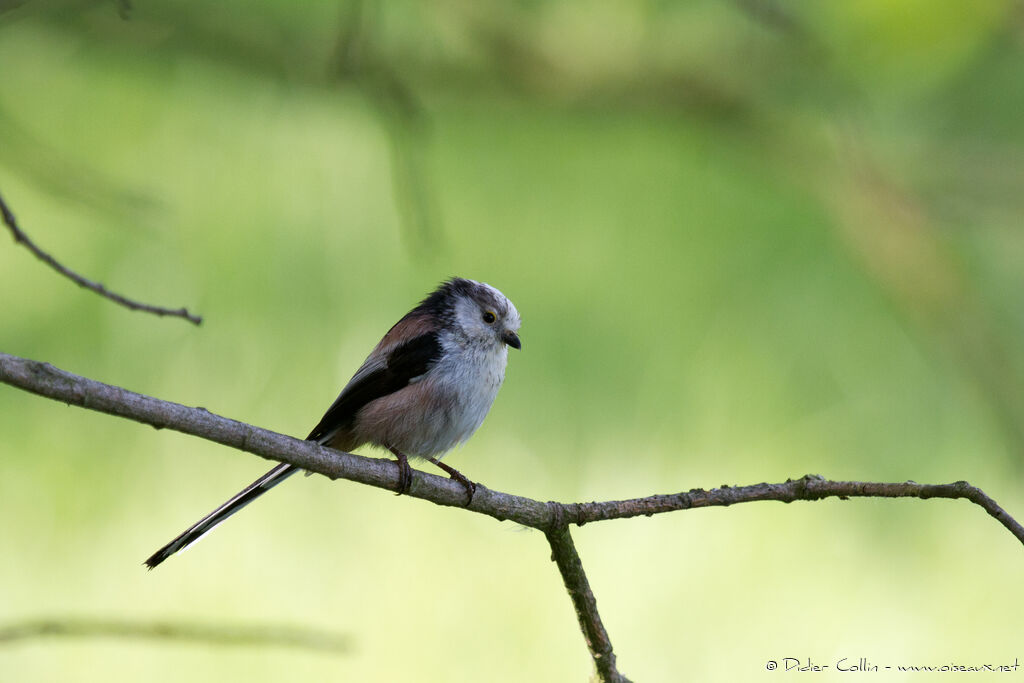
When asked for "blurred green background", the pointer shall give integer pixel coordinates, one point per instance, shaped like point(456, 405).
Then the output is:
point(749, 240)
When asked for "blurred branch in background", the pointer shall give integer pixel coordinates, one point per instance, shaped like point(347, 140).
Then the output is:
point(772, 15)
point(21, 238)
point(552, 518)
point(403, 118)
point(51, 170)
point(904, 248)
point(259, 45)
point(209, 634)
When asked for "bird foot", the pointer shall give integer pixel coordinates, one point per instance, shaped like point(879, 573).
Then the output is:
point(404, 471)
point(459, 477)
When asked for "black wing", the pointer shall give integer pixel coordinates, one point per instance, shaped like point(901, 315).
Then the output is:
point(376, 378)
point(405, 362)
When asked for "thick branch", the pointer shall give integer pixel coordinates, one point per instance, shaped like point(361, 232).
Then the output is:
point(46, 380)
point(214, 634)
point(20, 237)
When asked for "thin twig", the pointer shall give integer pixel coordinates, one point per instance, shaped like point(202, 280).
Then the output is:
point(552, 518)
point(214, 634)
point(808, 487)
point(564, 555)
point(21, 238)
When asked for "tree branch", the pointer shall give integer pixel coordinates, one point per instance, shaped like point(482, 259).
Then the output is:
point(563, 554)
point(215, 634)
point(552, 518)
point(21, 238)
point(809, 487)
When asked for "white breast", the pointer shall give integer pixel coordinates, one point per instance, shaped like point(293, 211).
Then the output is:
point(471, 377)
point(439, 409)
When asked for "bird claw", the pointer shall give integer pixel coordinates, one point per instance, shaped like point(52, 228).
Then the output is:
point(404, 472)
point(470, 486)
point(404, 477)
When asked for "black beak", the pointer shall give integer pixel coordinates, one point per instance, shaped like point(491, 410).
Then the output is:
point(512, 339)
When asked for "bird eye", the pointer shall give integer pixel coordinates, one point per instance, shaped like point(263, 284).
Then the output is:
point(489, 317)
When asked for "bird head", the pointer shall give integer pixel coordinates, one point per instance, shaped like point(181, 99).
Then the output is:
point(481, 314)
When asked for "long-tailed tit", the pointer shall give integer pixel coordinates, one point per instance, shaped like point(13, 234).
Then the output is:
point(424, 388)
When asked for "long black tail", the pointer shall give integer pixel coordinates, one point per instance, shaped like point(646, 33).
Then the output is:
point(207, 523)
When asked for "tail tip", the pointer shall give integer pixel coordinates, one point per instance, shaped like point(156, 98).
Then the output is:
point(155, 559)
